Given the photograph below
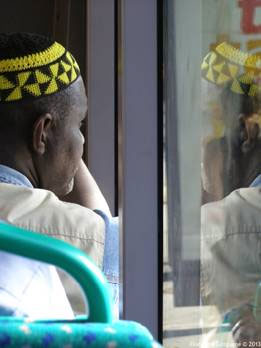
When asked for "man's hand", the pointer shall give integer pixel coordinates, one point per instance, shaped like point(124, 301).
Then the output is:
point(86, 192)
point(247, 331)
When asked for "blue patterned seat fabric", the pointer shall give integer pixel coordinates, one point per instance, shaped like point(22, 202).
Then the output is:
point(24, 333)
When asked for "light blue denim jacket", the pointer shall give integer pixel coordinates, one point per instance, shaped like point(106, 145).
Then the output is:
point(111, 249)
point(256, 182)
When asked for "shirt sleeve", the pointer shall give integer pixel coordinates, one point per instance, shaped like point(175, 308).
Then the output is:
point(111, 260)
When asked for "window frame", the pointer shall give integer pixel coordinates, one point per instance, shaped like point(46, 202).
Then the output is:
point(140, 156)
point(125, 110)
point(101, 136)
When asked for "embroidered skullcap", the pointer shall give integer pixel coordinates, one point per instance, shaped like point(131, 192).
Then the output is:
point(33, 66)
point(227, 65)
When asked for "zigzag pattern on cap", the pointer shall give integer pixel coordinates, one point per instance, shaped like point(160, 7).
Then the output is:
point(228, 64)
point(38, 74)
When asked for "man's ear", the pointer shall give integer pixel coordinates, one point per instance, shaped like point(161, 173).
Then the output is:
point(41, 130)
point(250, 127)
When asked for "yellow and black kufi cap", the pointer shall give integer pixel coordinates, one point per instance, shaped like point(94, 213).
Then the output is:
point(35, 72)
point(227, 65)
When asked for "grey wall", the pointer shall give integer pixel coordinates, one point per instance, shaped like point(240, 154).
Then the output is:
point(38, 17)
point(26, 15)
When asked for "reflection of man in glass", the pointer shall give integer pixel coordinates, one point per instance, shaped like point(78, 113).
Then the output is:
point(232, 159)
point(231, 228)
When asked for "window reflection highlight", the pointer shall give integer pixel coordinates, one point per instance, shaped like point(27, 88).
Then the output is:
point(212, 235)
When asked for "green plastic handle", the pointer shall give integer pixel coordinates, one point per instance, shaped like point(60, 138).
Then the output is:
point(257, 303)
point(63, 255)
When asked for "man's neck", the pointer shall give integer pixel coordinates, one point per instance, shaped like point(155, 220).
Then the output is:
point(20, 162)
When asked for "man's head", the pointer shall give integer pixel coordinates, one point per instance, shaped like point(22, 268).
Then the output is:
point(42, 105)
point(235, 76)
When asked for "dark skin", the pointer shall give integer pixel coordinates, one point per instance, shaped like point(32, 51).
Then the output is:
point(234, 161)
point(247, 331)
point(50, 156)
point(59, 145)
point(55, 146)
point(244, 156)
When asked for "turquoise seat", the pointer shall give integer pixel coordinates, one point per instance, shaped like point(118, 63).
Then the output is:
point(97, 329)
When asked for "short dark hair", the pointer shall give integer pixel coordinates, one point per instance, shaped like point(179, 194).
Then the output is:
point(235, 104)
point(19, 117)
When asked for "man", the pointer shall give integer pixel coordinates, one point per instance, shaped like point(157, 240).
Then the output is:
point(231, 227)
point(42, 107)
point(231, 151)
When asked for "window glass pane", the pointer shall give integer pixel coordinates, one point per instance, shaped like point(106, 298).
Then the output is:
point(212, 149)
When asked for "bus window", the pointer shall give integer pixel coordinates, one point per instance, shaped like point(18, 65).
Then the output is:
point(212, 197)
